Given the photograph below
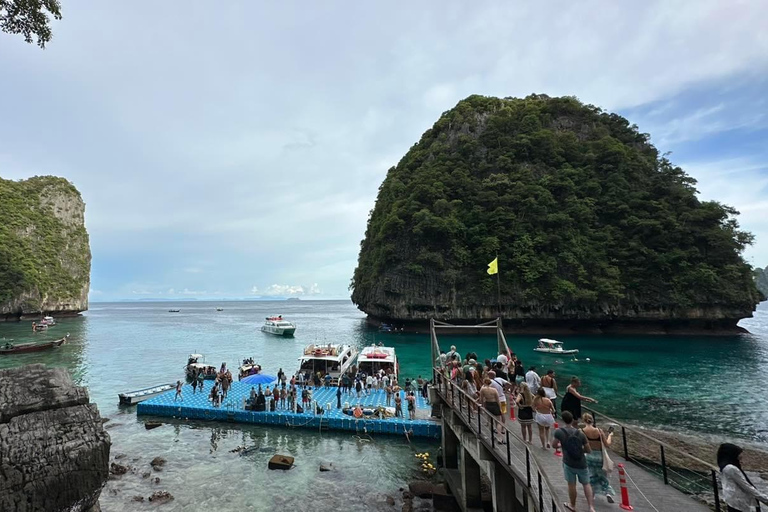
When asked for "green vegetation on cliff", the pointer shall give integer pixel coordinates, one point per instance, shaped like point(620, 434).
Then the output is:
point(761, 280)
point(45, 257)
point(583, 212)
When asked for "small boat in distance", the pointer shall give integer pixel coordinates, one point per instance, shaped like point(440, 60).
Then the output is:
point(219, 309)
point(196, 365)
point(330, 359)
point(174, 311)
point(276, 325)
point(21, 348)
point(375, 358)
point(48, 320)
point(134, 397)
point(548, 346)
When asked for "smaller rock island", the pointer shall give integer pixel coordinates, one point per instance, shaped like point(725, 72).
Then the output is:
point(45, 257)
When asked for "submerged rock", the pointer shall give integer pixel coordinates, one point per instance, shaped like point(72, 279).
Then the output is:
point(54, 452)
point(161, 497)
point(157, 463)
point(326, 467)
point(118, 469)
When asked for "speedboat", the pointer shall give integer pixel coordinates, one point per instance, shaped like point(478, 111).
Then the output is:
point(547, 346)
point(21, 348)
point(196, 364)
point(330, 359)
point(134, 397)
point(174, 311)
point(375, 358)
point(249, 367)
point(219, 309)
point(276, 325)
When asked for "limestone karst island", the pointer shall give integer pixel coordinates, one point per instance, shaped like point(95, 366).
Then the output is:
point(593, 228)
point(360, 256)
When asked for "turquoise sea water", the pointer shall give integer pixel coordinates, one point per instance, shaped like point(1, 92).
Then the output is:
point(710, 386)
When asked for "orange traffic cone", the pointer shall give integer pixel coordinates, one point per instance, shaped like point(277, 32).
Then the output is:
point(512, 412)
point(558, 453)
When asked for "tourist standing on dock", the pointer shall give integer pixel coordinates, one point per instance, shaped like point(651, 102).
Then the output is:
point(388, 390)
point(224, 385)
point(519, 372)
point(575, 447)
point(280, 375)
point(338, 398)
point(283, 395)
point(533, 380)
point(194, 382)
point(572, 399)
point(398, 405)
point(178, 391)
point(739, 493)
point(316, 380)
point(411, 406)
point(545, 416)
point(549, 384)
point(276, 396)
point(368, 384)
point(328, 380)
point(596, 459)
point(489, 398)
point(358, 387)
point(525, 413)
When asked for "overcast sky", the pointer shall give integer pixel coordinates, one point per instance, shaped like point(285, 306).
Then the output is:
point(234, 149)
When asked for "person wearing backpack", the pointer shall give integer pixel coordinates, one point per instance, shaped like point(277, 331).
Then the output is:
point(575, 447)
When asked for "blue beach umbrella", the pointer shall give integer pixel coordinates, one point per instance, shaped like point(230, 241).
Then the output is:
point(259, 378)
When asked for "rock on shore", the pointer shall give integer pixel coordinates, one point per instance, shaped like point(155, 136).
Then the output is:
point(54, 452)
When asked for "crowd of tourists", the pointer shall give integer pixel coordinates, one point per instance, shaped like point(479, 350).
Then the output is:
point(503, 383)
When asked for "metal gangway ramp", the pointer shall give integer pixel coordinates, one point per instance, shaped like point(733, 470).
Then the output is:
point(528, 478)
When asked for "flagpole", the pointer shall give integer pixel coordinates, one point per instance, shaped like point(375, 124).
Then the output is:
point(498, 285)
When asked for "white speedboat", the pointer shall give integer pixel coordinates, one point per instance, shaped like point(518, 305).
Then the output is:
point(49, 321)
point(134, 397)
point(547, 346)
point(249, 367)
point(196, 365)
point(373, 358)
point(276, 325)
point(330, 359)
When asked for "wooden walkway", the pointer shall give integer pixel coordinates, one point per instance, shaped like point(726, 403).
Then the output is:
point(542, 470)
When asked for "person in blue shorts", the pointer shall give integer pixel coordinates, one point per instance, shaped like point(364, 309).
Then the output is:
point(575, 447)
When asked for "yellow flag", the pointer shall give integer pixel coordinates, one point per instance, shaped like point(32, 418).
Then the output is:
point(493, 267)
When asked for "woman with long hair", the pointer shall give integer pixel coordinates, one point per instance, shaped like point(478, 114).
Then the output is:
point(545, 415)
point(598, 442)
point(525, 412)
point(739, 493)
point(572, 399)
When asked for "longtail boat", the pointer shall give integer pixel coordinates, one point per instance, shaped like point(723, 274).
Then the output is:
point(21, 348)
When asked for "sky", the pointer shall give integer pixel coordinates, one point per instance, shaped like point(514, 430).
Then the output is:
point(235, 149)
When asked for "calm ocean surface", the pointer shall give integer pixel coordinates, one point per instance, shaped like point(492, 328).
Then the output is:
point(710, 386)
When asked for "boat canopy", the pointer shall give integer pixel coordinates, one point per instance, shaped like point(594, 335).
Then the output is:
point(377, 354)
point(547, 341)
point(195, 356)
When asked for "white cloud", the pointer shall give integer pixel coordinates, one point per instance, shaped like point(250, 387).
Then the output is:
point(292, 290)
point(274, 179)
point(187, 291)
point(95, 293)
point(254, 290)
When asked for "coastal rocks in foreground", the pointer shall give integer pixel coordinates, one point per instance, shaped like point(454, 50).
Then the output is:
point(54, 452)
point(45, 257)
point(594, 229)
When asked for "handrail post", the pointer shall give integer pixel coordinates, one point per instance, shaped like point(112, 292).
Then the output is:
point(664, 465)
point(509, 454)
point(624, 438)
point(541, 493)
point(716, 491)
point(528, 466)
point(479, 423)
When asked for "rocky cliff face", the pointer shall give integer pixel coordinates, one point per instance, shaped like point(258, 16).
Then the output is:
point(594, 229)
point(45, 257)
point(761, 280)
point(54, 452)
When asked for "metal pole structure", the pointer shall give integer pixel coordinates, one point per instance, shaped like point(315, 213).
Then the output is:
point(498, 285)
point(664, 465)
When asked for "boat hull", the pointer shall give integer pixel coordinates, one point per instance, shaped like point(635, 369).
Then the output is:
point(32, 347)
point(556, 352)
point(135, 397)
point(278, 331)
